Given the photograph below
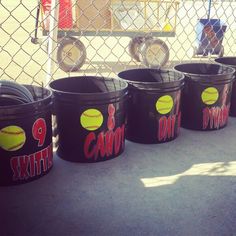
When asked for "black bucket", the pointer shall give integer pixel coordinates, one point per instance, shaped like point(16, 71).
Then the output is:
point(90, 115)
point(154, 113)
point(230, 61)
point(206, 95)
point(26, 151)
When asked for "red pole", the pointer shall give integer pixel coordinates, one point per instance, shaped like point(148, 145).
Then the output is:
point(65, 14)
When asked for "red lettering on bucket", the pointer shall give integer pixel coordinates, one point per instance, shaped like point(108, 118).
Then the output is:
point(179, 123)
point(111, 118)
point(44, 159)
point(109, 141)
point(167, 127)
point(32, 165)
point(106, 143)
point(87, 144)
point(39, 131)
point(100, 146)
point(14, 166)
point(28, 166)
point(37, 157)
point(24, 163)
point(117, 135)
point(215, 117)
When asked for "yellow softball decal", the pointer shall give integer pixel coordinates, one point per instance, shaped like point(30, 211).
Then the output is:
point(12, 138)
point(91, 119)
point(210, 95)
point(164, 104)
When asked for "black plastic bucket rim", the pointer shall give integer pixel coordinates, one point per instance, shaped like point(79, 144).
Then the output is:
point(152, 85)
point(226, 61)
point(120, 88)
point(205, 76)
point(36, 105)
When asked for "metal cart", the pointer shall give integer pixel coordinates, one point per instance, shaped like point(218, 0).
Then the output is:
point(142, 20)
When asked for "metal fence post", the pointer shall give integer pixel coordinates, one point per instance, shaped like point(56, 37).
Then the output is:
point(52, 40)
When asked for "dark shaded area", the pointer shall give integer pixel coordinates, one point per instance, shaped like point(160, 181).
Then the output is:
point(109, 198)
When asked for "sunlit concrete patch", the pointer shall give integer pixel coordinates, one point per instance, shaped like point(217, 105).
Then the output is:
point(203, 169)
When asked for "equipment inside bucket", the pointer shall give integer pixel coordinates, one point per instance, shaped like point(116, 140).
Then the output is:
point(12, 93)
point(203, 69)
point(88, 84)
point(149, 75)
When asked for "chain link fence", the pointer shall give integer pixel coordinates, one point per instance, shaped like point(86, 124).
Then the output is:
point(48, 39)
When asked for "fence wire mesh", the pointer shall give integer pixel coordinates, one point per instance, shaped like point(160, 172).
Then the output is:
point(48, 39)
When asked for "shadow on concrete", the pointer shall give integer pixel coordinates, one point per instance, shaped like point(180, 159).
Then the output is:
point(184, 187)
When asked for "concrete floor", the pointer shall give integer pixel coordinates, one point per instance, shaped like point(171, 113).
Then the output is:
point(186, 187)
